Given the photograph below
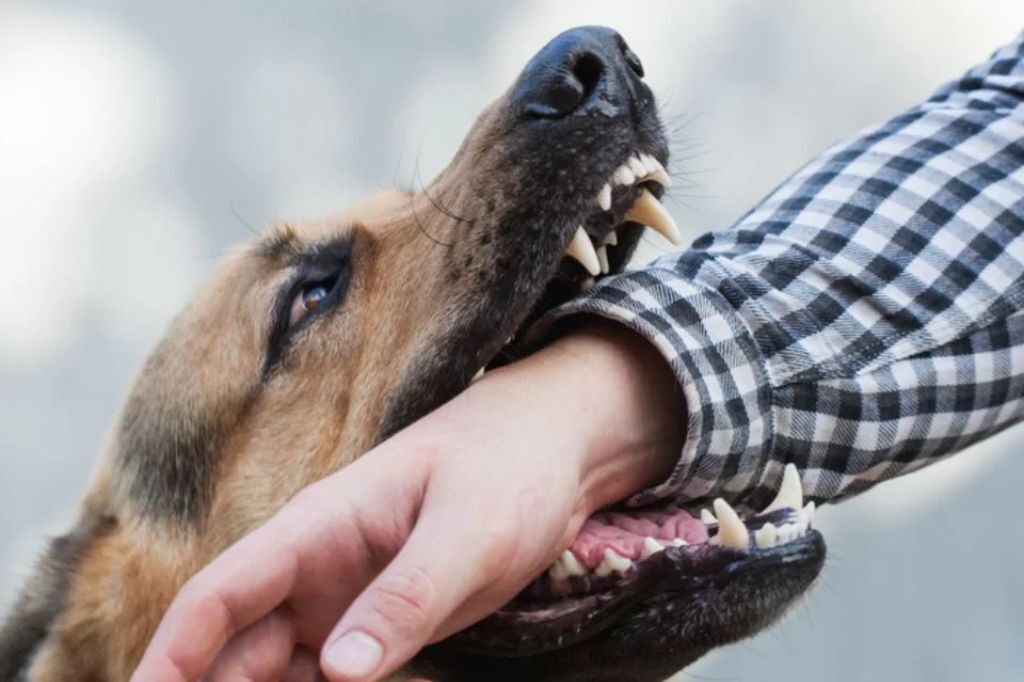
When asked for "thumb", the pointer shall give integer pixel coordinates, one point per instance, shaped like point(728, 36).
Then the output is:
point(395, 616)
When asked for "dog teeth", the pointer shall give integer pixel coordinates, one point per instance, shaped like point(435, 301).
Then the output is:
point(623, 176)
point(796, 527)
point(477, 375)
point(731, 530)
point(766, 536)
point(707, 517)
point(790, 492)
point(604, 197)
point(638, 167)
point(808, 512)
point(655, 171)
point(566, 566)
point(651, 547)
point(647, 210)
point(611, 239)
point(572, 564)
point(602, 259)
point(786, 533)
point(582, 250)
point(612, 562)
point(679, 542)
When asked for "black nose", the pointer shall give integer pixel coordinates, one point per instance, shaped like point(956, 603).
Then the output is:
point(582, 71)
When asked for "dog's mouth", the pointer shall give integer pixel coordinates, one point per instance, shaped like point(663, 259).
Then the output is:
point(628, 561)
point(627, 202)
point(666, 584)
point(607, 234)
point(639, 594)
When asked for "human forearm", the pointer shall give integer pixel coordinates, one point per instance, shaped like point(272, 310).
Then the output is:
point(608, 389)
point(828, 327)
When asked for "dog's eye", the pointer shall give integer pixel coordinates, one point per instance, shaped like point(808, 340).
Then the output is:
point(308, 300)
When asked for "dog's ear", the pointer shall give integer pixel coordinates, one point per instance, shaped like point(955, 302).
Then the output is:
point(43, 597)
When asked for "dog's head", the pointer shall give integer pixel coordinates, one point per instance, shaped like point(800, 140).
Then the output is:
point(314, 343)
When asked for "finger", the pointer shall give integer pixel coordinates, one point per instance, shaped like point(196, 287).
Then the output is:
point(397, 613)
point(260, 653)
point(243, 584)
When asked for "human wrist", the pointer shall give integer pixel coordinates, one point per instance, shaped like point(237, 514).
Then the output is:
point(619, 401)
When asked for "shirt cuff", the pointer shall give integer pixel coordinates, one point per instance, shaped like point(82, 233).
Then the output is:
point(718, 366)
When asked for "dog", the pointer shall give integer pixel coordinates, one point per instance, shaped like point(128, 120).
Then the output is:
point(320, 339)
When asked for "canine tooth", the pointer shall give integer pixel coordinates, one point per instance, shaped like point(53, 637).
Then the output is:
point(611, 239)
point(801, 527)
point(477, 375)
point(612, 562)
point(731, 530)
point(572, 564)
point(602, 259)
point(623, 176)
point(604, 197)
point(582, 250)
point(637, 167)
point(766, 535)
point(707, 517)
point(648, 211)
point(679, 542)
point(651, 546)
point(790, 492)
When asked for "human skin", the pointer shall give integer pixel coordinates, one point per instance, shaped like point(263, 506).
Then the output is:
point(434, 528)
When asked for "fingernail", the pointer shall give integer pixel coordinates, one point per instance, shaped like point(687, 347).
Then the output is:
point(356, 654)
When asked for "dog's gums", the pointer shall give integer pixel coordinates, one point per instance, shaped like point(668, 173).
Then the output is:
point(323, 338)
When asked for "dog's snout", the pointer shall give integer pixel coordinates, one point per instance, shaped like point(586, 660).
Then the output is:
point(581, 71)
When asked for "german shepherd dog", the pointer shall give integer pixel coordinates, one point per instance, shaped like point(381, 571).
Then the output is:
point(320, 339)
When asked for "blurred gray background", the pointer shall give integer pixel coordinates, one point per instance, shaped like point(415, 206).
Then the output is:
point(138, 140)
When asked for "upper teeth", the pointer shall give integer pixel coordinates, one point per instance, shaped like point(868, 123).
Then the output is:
point(645, 210)
point(602, 259)
point(648, 211)
point(583, 251)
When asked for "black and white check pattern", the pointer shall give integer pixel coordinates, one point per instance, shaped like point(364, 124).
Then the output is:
point(866, 319)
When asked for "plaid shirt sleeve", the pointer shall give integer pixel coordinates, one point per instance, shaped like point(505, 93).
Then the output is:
point(863, 321)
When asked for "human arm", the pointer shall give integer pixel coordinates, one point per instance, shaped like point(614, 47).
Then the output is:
point(861, 322)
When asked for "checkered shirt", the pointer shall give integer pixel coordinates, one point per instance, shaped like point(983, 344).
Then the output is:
point(864, 320)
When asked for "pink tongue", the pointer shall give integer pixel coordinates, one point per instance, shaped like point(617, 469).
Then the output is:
point(625, 533)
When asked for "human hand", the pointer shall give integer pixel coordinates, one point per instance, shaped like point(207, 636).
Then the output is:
point(433, 529)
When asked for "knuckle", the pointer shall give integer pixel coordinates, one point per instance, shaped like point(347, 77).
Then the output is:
point(201, 600)
point(406, 601)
